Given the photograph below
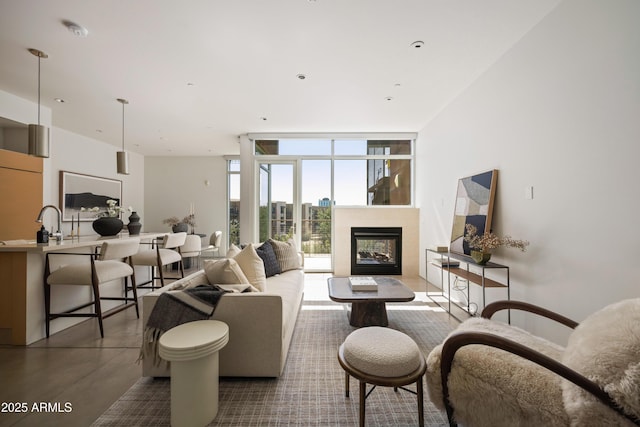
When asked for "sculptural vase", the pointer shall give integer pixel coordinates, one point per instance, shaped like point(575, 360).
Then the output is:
point(107, 226)
point(480, 257)
point(134, 225)
point(180, 227)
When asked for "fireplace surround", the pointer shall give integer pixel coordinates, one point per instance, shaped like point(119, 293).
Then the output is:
point(376, 250)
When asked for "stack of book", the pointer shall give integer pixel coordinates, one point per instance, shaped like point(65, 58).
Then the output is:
point(446, 262)
point(363, 283)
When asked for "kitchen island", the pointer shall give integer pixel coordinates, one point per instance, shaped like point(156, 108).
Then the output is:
point(22, 316)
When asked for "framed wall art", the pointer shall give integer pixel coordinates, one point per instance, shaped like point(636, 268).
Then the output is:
point(474, 205)
point(79, 191)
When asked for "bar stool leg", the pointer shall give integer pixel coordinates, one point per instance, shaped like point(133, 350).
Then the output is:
point(134, 287)
point(98, 308)
point(420, 402)
point(47, 294)
point(47, 305)
point(363, 398)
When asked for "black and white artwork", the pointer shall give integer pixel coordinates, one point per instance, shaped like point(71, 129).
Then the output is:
point(78, 191)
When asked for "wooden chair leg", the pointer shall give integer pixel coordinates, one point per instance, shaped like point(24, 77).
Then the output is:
point(363, 398)
point(47, 294)
point(161, 276)
point(346, 384)
point(135, 293)
point(420, 402)
point(98, 308)
point(47, 306)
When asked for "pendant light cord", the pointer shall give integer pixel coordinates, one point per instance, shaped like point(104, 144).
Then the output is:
point(123, 126)
point(39, 60)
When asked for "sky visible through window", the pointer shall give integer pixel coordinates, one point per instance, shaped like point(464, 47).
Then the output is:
point(350, 176)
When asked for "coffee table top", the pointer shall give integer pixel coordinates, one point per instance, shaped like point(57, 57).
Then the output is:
point(389, 290)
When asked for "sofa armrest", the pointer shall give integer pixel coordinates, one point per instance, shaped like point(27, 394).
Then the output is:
point(255, 321)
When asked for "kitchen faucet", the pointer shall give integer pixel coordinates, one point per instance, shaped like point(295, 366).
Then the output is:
point(58, 235)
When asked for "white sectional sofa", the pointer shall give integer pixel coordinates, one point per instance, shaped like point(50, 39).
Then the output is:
point(260, 323)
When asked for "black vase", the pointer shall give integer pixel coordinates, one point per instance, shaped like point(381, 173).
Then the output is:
point(107, 226)
point(180, 227)
point(134, 225)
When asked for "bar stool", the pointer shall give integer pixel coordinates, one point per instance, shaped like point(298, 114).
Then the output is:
point(382, 357)
point(167, 251)
point(104, 267)
point(191, 249)
point(213, 250)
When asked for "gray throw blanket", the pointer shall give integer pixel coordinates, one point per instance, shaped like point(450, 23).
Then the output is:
point(174, 308)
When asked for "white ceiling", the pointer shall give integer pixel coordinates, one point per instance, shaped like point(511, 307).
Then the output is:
point(242, 58)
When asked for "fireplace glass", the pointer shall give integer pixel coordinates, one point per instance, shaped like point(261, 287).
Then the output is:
point(376, 250)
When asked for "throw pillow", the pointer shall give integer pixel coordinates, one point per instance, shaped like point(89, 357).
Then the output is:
point(191, 281)
point(271, 264)
point(287, 254)
point(252, 267)
point(233, 251)
point(224, 271)
point(604, 348)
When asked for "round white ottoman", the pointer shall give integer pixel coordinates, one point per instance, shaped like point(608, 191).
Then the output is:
point(382, 357)
point(192, 348)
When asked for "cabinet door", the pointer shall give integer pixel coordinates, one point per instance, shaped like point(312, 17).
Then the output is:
point(20, 202)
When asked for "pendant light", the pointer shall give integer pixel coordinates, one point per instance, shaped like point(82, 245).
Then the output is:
point(122, 158)
point(38, 134)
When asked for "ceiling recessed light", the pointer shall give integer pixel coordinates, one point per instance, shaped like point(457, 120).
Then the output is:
point(191, 84)
point(59, 100)
point(417, 44)
point(389, 98)
point(264, 119)
point(301, 76)
point(76, 29)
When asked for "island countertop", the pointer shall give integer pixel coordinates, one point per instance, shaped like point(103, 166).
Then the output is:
point(69, 242)
point(22, 266)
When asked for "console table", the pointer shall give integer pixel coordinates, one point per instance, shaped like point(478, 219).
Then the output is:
point(468, 270)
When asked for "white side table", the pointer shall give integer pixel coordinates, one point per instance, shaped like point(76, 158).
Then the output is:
point(192, 348)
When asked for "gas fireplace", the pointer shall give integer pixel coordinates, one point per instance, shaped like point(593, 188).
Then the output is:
point(376, 250)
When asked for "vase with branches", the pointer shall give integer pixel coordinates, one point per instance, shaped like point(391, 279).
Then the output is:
point(482, 245)
point(174, 222)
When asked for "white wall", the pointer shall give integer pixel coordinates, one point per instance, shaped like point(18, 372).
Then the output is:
point(558, 112)
point(173, 183)
point(76, 153)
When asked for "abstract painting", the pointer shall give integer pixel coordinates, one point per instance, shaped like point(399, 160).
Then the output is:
point(79, 191)
point(474, 205)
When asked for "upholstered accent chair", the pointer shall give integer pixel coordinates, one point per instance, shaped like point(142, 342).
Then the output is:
point(166, 251)
point(488, 373)
point(113, 262)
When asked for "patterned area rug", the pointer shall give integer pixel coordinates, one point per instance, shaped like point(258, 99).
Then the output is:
point(311, 390)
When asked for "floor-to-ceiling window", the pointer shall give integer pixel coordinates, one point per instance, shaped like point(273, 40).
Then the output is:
point(233, 201)
point(323, 172)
